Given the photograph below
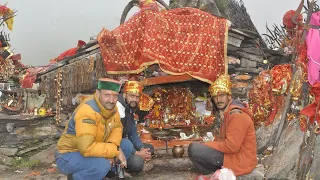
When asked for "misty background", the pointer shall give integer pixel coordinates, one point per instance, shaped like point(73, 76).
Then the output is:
point(44, 29)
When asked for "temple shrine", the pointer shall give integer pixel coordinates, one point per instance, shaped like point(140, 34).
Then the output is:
point(176, 51)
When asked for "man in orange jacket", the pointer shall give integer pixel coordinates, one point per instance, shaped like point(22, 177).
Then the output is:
point(235, 148)
point(92, 138)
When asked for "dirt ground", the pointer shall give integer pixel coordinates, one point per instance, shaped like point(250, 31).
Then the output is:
point(44, 174)
point(163, 169)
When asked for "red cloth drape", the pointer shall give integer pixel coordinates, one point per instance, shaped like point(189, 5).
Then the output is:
point(31, 75)
point(185, 40)
point(311, 110)
point(70, 52)
point(67, 53)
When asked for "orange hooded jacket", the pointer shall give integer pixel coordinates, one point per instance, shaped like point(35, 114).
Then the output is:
point(239, 146)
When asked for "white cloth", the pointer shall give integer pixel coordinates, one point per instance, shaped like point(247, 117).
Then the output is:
point(121, 109)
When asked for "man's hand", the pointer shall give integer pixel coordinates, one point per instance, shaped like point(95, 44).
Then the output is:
point(145, 154)
point(111, 162)
point(122, 159)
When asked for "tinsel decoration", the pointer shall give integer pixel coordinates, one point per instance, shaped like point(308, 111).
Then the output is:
point(58, 82)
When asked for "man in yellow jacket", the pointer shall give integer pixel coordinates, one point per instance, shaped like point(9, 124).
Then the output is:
point(92, 138)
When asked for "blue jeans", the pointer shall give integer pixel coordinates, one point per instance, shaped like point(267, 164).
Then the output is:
point(93, 168)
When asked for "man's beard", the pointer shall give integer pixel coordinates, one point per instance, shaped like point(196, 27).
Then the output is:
point(224, 107)
point(132, 104)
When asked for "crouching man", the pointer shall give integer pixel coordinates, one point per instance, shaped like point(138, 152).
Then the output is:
point(92, 138)
point(235, 148)
point(128, 104)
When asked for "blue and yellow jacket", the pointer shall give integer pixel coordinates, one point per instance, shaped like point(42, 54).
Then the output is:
point(92, 130)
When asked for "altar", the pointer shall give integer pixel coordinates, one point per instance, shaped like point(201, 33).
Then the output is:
point(177, 111)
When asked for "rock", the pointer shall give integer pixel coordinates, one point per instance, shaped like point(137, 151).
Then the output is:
point(274, 59)
point(235, 39)
point(8, 151)
point(3, 168)
point(235, 54)
point(274, 52)
point(5, 159)
point(251, 57)
point(38, 131)
point(246, 63)
point(14, 140)
point(268, 55)
point(22, 147)
point(207, 6)
point(33, 145)
point(285, 59)
point(232, 47)
point(306, 154)
point(284, 161)
point(256, 174)
point(252, 50)
point(3, 128)
point(267, 134)
point(45, 156)
point(252, 33)
point(24, 151)
point(245, 44)
point(49, 130)
point(47, 142)
point(314, 172)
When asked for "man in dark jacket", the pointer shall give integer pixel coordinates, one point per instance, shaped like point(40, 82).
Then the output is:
point(127, 105)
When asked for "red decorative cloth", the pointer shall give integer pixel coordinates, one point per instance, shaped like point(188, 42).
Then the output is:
point(287, 19)
point(311, 110)
point(281, 77)
point(185, 40)
point(31, 76)
point(3, 9)
point(261, 99)
point(70, 52)
point(67, 53)
point(16, 60)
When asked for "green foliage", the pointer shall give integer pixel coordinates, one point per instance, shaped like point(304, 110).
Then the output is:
point(19, 162)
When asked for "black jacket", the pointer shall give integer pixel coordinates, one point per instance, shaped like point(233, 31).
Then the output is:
point(129, 124)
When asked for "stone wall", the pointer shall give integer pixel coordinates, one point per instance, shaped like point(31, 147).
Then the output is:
point(28, 140)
